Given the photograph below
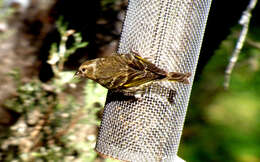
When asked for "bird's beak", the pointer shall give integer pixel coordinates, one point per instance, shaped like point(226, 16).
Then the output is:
point(77, 74)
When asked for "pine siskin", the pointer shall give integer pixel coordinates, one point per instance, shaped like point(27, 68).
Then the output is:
point(127, 73)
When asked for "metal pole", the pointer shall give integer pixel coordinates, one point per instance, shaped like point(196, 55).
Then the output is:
point(170, 32)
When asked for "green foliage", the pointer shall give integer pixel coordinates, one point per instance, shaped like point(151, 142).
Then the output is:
point(53, 125)
point(59, 53)
point(224, 125)
point(29, 96)
point(93, 103)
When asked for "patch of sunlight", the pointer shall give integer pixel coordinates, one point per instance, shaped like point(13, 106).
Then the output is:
point(247, 158)
point(239, 111)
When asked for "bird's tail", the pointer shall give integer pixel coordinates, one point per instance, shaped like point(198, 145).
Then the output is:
point(179, 77)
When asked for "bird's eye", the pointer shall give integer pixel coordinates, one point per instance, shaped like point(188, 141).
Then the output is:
point(83, 69)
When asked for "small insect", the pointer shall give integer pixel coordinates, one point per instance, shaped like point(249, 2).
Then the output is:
point(127, 73)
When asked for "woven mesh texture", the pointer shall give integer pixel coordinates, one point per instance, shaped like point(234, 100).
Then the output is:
point(169, 32)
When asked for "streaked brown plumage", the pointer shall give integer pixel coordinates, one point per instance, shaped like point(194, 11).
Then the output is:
point(127, 72)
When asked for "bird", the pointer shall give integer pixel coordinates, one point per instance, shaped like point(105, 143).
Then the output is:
point(127, 73)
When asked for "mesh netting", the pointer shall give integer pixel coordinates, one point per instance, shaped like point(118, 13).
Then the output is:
point(149, 129)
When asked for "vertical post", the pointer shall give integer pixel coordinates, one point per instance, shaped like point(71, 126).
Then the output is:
point(170, 32)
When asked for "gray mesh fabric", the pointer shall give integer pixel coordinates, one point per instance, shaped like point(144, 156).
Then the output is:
point(169, 32)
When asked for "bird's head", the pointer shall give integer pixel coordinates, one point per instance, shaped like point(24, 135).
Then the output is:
point(85, 70)
point(81, 71)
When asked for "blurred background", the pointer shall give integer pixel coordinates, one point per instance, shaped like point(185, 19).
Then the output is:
point(46, 115)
